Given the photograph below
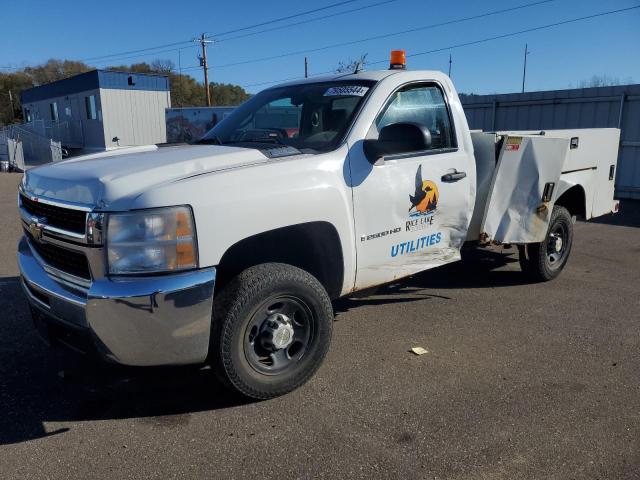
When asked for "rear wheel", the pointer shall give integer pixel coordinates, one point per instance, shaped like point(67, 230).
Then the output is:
point(271, 330)
point(544, 261)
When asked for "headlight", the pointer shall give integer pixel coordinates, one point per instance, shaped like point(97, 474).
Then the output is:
point(147, 241)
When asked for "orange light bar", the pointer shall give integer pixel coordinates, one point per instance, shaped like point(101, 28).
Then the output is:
point(398, 60)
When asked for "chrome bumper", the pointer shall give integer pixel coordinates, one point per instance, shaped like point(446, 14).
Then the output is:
point(138, 321)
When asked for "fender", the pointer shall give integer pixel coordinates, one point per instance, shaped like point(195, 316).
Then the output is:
point(581, 180)
point(235, 204)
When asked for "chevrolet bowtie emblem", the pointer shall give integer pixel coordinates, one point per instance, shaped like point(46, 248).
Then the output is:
point(35, 229)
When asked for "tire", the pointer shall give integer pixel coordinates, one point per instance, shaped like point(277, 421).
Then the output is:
point(544, 261)
point(256, 314)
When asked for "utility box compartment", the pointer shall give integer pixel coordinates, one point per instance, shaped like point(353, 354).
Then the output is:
point(530, 170)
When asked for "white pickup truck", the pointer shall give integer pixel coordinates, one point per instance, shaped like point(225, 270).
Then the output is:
point(229, 251)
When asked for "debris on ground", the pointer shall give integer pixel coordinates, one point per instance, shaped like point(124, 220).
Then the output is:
point(419, 350)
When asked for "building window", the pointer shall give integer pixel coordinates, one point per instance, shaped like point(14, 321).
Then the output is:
point(54, 111)
point(90, 104)
point(131, 81)
point(27, 115)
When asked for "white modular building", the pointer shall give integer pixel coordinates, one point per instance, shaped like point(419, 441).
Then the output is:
point(100, 109)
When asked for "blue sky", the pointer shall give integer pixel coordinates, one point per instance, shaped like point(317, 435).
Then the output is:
point(36, 30)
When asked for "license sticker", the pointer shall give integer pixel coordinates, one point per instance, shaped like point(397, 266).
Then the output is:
point(513, 143)
point(346, 91)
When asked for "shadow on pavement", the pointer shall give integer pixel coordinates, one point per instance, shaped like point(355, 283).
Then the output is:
point(34, 390)
point(628, 216)
point(477, 270)
point(40, 386)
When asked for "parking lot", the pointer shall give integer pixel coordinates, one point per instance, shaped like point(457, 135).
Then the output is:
point(520, 381)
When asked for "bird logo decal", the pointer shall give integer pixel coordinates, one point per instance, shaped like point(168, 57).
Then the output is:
point(425, 199)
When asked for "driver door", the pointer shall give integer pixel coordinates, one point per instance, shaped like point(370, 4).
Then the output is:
point(411, 213)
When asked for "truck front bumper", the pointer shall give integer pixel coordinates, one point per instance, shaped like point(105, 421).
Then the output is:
point(138, 321)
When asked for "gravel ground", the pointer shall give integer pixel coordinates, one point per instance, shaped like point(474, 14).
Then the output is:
point(521, 381)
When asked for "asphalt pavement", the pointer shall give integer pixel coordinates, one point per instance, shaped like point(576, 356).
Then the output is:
point(521, 380)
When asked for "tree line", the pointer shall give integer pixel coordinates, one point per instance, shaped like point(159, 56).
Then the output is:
point(185, 90)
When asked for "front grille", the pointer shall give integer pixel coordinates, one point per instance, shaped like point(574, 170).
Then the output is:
point(64, 218)
point(63, 259)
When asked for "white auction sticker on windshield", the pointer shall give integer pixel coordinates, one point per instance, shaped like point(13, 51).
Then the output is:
point(346, 91)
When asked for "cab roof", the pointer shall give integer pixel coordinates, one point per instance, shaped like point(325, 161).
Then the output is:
point(375, 75)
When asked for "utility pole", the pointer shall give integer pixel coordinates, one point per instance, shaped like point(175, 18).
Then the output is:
point(203, 63)
point(449, 65)
point(306, 68)
point(11, 102)
point(524, 70)
point(13, 112)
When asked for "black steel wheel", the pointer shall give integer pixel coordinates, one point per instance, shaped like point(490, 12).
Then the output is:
point(557, 242)
point(544, 261)
point(271, 330)
point(278, 334)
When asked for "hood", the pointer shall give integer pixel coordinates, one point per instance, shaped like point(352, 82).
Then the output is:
point(100, 180)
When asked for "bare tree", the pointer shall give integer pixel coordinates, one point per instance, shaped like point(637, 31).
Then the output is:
point(351, 64)
point(163, 66)
point(602, 81)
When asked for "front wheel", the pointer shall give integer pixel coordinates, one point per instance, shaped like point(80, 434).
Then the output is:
point(544, 261)
point(271, 330)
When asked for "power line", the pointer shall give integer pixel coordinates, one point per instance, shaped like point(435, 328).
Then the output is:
point(158, 47)
point(473, 42)
point(302, 22)
point(282, 80)
point(386, 35)
point(90, 59)
point(520, 32)
point(280, 27)
point(119, 59)
point(288, 17)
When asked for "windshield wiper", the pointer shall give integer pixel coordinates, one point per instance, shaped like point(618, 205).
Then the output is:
point(213, 140)
point(274, 140)
point(280, 149)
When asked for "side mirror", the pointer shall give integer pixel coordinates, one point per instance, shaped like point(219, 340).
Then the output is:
point(398, 138)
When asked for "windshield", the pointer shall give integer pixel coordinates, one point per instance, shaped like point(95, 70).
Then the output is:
point(307, 118)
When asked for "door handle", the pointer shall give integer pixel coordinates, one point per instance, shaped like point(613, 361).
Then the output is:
point(453, 177)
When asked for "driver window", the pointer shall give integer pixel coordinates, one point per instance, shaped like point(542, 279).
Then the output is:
point(422, 104)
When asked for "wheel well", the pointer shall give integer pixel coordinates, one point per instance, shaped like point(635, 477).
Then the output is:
point(574, 201)
point(314, 247)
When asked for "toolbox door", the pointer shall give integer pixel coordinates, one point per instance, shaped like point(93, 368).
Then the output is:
point(523, 189)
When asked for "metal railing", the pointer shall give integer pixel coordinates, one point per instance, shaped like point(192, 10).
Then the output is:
point(69, 132)
point(36, 149)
